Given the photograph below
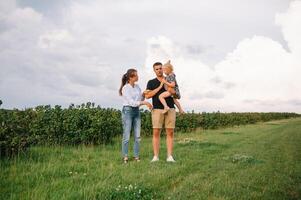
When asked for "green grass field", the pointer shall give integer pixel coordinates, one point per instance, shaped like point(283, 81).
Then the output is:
point(261, 161)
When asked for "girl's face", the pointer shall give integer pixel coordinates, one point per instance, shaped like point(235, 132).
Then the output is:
point(166, 70)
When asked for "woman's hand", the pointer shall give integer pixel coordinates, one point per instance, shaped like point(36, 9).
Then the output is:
point(145, 92)
point(149, 105)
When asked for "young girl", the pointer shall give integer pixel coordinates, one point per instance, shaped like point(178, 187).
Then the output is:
point(172, 88)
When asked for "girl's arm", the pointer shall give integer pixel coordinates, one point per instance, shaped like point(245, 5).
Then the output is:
point(171, 84)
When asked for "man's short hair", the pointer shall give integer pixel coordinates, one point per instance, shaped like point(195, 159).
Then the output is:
point(156, 64)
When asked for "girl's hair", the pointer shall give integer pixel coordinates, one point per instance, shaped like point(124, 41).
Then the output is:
point(125, 78)
point(168, 65)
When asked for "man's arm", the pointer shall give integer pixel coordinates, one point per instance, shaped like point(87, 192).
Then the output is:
point(150, 93)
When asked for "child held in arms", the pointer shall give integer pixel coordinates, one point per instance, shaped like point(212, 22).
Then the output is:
point(171, 87)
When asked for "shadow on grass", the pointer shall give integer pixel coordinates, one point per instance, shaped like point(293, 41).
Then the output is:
point(230, 133)
point(41, 154)
point(273, 124)
point(243, 159)
point(203, 145)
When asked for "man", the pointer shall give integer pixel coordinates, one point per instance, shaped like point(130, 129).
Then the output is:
point(154, 89)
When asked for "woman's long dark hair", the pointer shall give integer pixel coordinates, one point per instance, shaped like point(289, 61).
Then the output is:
point(125, 78)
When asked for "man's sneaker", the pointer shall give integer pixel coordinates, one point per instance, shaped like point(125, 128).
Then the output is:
point(155, 159)
point(170, 159)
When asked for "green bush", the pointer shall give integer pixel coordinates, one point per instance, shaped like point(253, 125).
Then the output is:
point(14, 131)
point(87, 124)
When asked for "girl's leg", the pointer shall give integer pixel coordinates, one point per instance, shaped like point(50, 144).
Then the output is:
point(162, 97)
point(137, 129)
point(127, 126)
point(178, 105)
point(171, 91)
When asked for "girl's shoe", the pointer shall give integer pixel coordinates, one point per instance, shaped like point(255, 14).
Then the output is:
point(165, 110)
point(137, 159)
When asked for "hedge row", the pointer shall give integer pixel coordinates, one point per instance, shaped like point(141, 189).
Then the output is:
point(87, 124)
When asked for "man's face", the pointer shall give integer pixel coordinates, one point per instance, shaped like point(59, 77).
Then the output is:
point(158, 70)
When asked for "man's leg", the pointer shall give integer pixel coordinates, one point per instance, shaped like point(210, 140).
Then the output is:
point(156, 141)
point(169, 141)
point(157, 121)
point(170, 122)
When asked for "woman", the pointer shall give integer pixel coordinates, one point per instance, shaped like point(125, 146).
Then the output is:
point(132, 99)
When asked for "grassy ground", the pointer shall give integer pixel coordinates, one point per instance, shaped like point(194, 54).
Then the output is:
point(261, 161)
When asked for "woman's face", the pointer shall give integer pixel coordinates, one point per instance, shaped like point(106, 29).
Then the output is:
point(134, 77)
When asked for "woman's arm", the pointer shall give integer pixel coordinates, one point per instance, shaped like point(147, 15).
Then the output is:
point(143, 102)
point(149, 105)
point(132, 102)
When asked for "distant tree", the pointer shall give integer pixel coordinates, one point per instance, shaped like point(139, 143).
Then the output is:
point(1, 102)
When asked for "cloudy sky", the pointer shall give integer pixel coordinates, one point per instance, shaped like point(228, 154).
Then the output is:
point(233, 55)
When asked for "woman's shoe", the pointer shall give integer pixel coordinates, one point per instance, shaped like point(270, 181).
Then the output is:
point(137, 159)
point(125, 160)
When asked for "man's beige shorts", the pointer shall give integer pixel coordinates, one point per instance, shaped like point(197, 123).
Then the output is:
point(168, 119)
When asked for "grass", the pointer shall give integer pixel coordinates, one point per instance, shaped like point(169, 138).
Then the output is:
point(261, 161)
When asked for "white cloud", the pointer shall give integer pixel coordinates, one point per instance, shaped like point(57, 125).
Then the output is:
point(259, 75)
point(80, 55)
point(290, 23)
point(44, 63)
point(261, 69)
point(54, 38)
point(193, 76)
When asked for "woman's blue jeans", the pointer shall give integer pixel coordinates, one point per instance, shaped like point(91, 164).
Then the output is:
point(131, 119)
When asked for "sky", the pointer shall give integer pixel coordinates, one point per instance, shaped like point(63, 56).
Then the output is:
point(228, 56)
